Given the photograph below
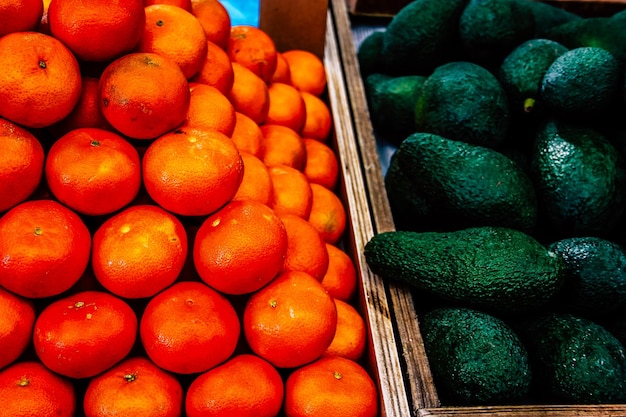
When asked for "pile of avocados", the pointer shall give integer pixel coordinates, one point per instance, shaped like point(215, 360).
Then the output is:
point(507, 185)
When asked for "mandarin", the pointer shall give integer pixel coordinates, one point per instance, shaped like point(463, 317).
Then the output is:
point(281, 74)
point(306, 250)
point(283, 146)
point(28, 388)
point(328, 214)
point(240, 248)
point(93, 171)
point(350, 336)
point(247, 135)
point(253, 48)
point(340, 279)
point(139, 251)
point(19, 15)
point(322, 165)
point(291, 191)
point(85, 333)
point(291, 321)
point(21, 164)
point(175, 33)
point(192, 172)
point(135, 387)
point(17, 318)
point(144, 95)
point(209, 109)
point(307, 71)
point(318, 122)
point(40, 80)
point(287, 107)
point(256, 183)
point(216, 69)
point(44, 248)
point(331, 386)
point(244, 386)
point(183, 4)
point(189, 328)
point(215, 20)
point(249, 94)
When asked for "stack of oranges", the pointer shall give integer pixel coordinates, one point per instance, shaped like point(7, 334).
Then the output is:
point(170, 223)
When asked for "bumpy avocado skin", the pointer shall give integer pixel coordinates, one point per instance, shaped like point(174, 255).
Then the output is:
point(575, 360)
point(496, 269)
point(369, 55)
point(548, 16)
point(475, 357)
point(463, 101)
point(579, 179)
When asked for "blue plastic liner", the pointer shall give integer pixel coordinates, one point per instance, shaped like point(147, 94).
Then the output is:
point(242, 12)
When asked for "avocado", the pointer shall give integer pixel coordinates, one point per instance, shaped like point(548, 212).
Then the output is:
point(463, 101)
point(523, 70)
point(468, 185)
point(548, 16)
point(391, 102)
point(581, 83)
point(491, 268)
point(595, 275)
point(578, 177)
point(574, 360)
point(368, 54)
point(491, 29)
point(475, 358)
point(421, 36)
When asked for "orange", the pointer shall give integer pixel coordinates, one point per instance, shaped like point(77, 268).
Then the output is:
point(291, 191)
point(328, 214)
point(307, 71)
point(306, 250)
point(322, 165)
point(253, 48)
point(192, 172)
point(281, 74)
point(249, 94)
point(139, 251)
point(30, 389)
point(17, 318)
point(189, 328)
point(350, 336)
point(21, 164)
point(291, 321)
point(44, 248)
point(175, 33)
point(340, 279)
point(216, 69)
point(247, 135)
point(209, 109)
point(93, 171)
point(40, 80)
point(287, 108)
point(133, 388)
point(256, 183)
point(240, 248)
point(283, 146)
point(244, 386)
point(85, 333)
point(331, 386)
point(318, 121)
point(183, 4)
point(20, 15)
point(144, 95)
point(215, 20)
point(97, 31)
point(86, 112)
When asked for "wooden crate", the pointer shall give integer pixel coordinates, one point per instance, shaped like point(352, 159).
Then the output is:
point(423, 397)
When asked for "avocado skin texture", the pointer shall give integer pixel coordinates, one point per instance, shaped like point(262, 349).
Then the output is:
point(522, 71)
point(574, 360)
point(475, 357)
point(368, 54)
point(595, 275)
point(581, 83)
point(463, 101)
point(468, 185)
point(491, 29)
point(391, 101)
point(421, 36)
point(578, 176)
point(492, 268)
point(548, 16)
